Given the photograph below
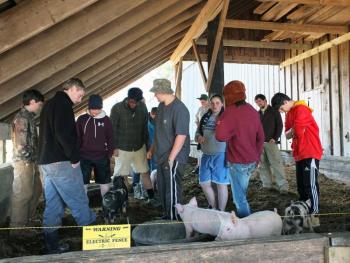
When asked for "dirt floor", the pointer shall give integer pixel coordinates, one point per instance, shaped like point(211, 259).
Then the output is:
point(334, 209)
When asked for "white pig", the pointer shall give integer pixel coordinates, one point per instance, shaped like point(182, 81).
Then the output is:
point(226, 226)
point(256, 225)
point(206, 221)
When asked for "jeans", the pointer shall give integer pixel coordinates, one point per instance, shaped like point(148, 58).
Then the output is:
point(64, 186)
point(239, 177)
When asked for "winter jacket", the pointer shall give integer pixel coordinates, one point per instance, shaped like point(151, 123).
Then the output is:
point(306, 141)
point(240, 126)
point(130, 130)
point(24, 137)
point(95, 136)
point(57, 133)
point(272, 124)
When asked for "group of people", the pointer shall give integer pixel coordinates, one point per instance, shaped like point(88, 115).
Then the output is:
point(230, 134)
point(235, 139)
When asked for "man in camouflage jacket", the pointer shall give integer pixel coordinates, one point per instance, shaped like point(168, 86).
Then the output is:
point(26, 185)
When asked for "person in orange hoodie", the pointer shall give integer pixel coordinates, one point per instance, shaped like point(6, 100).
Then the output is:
point(301, 126)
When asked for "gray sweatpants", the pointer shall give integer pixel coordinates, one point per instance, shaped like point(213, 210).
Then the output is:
point(169, 183)
point(271, 165)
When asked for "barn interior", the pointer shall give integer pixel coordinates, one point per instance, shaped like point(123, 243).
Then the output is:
point(109, 44)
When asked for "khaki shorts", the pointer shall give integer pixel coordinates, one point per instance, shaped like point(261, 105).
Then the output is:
point(131, 160)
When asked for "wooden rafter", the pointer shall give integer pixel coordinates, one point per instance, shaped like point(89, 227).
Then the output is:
point(259, 44)
point(314, 2)
point(316, 50)
point(32, 17)
point(199, 62)
point(217, 42)
point(178, 79)
point(291, 27)
point(209, 11)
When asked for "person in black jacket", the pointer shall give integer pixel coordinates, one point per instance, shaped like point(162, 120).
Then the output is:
point(271, 162)
point(58, 158)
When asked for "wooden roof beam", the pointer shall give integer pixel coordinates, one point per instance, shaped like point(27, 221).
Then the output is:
point(291, 27)
point(313, 2)
point(32, 17)
point(316, 50)
point(124, 45)
point(209, 11)
point(62, 35)
point(147, 18)
point(259, 44)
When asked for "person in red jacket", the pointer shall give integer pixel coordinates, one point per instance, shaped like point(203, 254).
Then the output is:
point(240, 126)
point(95, 141)
point(306, 145)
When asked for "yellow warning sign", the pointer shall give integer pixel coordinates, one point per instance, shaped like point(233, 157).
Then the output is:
point(106, 237)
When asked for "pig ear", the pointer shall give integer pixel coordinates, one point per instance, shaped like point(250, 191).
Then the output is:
point(308, 202)
point(193, 201)
point(234, 218)
point(179, 208)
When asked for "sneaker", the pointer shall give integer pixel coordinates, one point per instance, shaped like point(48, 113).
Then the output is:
point(315, 221)
point(137, 192)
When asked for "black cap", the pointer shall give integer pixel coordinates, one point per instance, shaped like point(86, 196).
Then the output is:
point(95, 102)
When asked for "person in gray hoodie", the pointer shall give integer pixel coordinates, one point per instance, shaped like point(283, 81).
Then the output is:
point(95, 141)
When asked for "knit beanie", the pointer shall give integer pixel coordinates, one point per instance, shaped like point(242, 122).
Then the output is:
point(234, 91)
point(95, 102)
point(135, 94)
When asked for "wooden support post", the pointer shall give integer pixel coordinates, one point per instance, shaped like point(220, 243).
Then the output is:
point(316, 50)
point(199, 62)
point(178, 80)
point(216, 65)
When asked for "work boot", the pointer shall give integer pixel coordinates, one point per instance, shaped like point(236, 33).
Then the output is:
point(144, 194)
point(52, 244)
point(315, 221)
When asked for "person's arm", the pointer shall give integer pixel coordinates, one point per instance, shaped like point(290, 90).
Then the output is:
point(114, 117)
point(79, 131)
point(260, 138)
point(20, 130)
point(303, 118)
point(109, 137)
point(182, 121)
point(278, 125)
point(224, 131)
point(66, 133)
point(179, 142)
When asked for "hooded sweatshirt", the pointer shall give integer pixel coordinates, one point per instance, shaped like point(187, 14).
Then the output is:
point(95, 138)
point(306, 140)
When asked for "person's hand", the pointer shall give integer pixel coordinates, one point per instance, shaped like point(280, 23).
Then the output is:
point(290, 134)
point(149, 155)
point(116, 152)
point(200, 139)
point(272, 141)
point(171, 163)
point(75, 165)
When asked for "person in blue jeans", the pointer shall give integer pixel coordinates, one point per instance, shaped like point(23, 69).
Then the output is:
point(58, 157)
point(240, 126)
point(212, 170)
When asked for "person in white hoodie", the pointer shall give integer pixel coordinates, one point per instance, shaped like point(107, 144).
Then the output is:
point(95, 144)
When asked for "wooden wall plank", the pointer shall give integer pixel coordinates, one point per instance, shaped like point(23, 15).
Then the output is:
point(335, 106)
point(295, 82)
point(325, 127)
point(345, 97)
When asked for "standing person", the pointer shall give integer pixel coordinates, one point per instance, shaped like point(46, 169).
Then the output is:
point(95, 142)
point(213, 167)
point(271, 160)
point(240, 126)
point(59, 163)
point(201, 111)
point(129, 121)
point(26, 188)
point(171, 146)
point(306, 145)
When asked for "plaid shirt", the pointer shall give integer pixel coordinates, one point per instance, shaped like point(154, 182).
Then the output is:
point(24, 137)
point(130, 127)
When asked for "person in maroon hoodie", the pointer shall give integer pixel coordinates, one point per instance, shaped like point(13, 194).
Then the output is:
point(239, 125)
point(95, 144)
